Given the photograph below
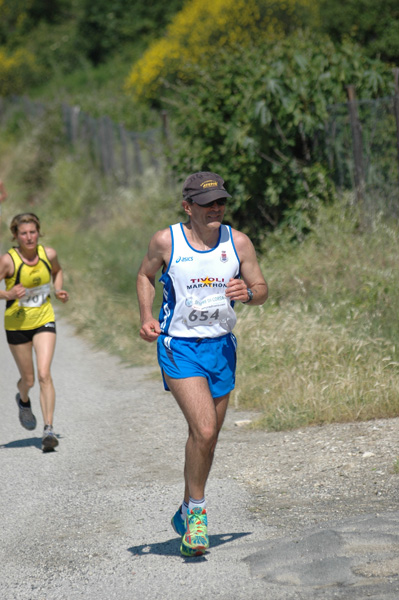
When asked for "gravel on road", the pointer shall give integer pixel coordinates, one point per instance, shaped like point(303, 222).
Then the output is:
point(300, 515)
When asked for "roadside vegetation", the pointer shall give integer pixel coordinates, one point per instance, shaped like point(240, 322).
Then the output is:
point(324, 348)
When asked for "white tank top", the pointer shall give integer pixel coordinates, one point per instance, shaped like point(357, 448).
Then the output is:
point(194, 301)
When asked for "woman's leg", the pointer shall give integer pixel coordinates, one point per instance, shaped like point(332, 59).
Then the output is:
point(22, 354)
point(44, 345)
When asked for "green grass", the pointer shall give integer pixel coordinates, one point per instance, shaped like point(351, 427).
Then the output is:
point(100, 91)
point(323, 349)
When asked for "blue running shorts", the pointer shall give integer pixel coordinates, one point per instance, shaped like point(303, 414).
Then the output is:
point(212, 358)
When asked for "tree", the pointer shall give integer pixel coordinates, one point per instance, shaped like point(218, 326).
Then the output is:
point(254, 115)
point(104, 26)
point(373, 25)
point(19, 17)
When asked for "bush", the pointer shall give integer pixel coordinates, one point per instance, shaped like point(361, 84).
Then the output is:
point(18, 70)
point(56, 49)
point(20, 17)
point(103, 28)
point(44, 142)
point(373, 25)
point(254, 116)
point(38, 38)
point(204, 27)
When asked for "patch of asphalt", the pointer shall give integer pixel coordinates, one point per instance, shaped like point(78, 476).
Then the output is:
point(91, 520)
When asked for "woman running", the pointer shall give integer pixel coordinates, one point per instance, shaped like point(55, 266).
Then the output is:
point(28, 269)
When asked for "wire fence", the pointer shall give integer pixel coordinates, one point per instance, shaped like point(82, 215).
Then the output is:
point(115, 151)
point(361, 142)
point(365, 160)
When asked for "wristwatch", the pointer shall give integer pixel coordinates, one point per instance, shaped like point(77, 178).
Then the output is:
point(250, 296)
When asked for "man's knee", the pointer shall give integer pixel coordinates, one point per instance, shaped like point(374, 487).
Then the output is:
point(207, 435)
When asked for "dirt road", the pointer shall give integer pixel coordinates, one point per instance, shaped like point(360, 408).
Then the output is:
point(301, 515)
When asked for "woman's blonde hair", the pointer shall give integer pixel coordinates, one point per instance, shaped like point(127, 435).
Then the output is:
point(24, 218)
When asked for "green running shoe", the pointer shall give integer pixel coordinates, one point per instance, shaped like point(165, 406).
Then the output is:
point(178, 523)
point(195, 541)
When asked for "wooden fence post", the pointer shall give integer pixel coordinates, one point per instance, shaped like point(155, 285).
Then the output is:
point(138, 165)
point(396, 111)
point(106, 149)
point(125, 159)
point(110, 138)
point(2, 108)
point(74, 115)
point(357, 144)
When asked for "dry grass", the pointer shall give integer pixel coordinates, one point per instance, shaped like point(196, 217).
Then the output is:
point(324, 348)
point(298, 371)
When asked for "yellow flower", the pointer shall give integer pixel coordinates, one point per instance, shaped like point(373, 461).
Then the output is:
point(203, 27)
point(15, 70)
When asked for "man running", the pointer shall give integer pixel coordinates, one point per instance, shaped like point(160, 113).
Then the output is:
point(206, 267)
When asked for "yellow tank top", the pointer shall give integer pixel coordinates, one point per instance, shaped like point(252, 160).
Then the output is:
point(35, 308)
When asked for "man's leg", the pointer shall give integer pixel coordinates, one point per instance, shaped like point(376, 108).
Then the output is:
point(204, 416)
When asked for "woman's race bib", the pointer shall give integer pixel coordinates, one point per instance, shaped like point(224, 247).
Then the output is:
point(35, 297)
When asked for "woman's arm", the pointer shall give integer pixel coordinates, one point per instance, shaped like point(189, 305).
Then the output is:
point(57, 276)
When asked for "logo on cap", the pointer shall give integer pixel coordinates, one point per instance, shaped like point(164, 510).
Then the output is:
point(209, 184)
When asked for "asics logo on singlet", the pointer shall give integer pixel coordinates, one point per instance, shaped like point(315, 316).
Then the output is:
point(184, 259)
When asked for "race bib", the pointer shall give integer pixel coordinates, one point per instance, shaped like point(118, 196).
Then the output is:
point(208, 311)
point(35, 297)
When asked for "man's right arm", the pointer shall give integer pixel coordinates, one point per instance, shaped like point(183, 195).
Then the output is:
point(157, 255)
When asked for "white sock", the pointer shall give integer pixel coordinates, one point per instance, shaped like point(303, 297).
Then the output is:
point(184, 509)
point(196, 504)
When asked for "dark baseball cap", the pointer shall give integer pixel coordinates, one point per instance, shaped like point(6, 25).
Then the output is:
point(204, 187)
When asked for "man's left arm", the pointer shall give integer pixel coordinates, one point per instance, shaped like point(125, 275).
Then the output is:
point(252, 287)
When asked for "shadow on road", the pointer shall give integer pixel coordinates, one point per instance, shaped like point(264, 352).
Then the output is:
point(172, 547)
point(34, 441)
